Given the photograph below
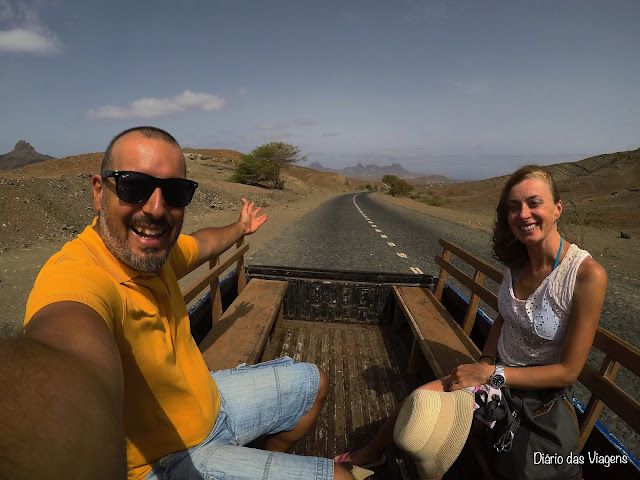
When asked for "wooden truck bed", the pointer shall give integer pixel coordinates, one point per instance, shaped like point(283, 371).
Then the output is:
point(366, 365)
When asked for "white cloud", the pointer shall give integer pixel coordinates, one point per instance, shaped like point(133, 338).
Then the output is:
point(159, 107)
point(23, 40)
point(330, 134)
point(22, 31)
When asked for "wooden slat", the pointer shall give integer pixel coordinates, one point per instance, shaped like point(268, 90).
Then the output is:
point(241, 333)
point(619, 350)
point(192, 292)
point(487, 295)
point(242, 279)
point(489, 270)
point(441, 339)
point(214, 289)
point(626, 407)
point(442, 276)
point(472, 308)
point(592, 411)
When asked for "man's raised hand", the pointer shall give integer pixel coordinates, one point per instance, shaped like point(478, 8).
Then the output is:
point(249, 217)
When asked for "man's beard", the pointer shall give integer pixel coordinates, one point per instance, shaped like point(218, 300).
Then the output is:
point(122, 251)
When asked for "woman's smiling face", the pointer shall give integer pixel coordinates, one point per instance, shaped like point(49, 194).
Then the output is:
point(531, 211)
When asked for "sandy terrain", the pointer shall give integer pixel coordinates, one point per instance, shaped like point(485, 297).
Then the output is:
point(45, 205)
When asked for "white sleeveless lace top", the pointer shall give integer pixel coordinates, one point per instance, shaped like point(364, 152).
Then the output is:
point(534, 329)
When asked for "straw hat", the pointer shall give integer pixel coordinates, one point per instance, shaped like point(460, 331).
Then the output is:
point(433, 427)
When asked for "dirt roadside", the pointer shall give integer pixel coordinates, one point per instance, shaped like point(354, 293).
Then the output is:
point(619, 256)
point(20, 266)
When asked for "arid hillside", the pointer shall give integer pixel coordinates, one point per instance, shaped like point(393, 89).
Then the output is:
point(42, 205)
point(52, 199)
point(600, 192)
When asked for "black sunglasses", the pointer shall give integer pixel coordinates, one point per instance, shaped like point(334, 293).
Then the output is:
point(136, 187)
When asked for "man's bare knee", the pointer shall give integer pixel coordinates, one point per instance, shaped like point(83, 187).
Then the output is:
point(323, 389)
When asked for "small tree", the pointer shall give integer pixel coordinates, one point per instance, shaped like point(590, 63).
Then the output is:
point(264, 163)
point(397, 186)
point(252, 171)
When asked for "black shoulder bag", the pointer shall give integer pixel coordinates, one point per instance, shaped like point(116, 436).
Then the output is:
point(537, 439)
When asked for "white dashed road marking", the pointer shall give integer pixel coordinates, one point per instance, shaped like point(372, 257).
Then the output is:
point(415, 270)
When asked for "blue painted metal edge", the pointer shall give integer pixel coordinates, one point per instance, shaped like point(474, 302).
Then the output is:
point(618, 445)
point(610, 436)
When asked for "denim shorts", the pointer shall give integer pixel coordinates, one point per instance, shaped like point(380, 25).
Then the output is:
point(255, 400)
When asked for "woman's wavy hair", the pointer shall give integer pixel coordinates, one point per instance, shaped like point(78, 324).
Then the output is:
point(506, 248)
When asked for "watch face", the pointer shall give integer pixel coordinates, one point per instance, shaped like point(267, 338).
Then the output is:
point(497, 379)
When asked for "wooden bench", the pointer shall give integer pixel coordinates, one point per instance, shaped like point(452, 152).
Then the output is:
point(445, 343)
point(240, 333)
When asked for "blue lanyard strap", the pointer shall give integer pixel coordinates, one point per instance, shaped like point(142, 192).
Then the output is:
point(558, 255)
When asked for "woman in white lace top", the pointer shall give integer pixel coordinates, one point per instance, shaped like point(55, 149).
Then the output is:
point(551, 296)
point(549, 302)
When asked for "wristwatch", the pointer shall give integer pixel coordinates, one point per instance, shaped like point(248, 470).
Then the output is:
point(497, 378)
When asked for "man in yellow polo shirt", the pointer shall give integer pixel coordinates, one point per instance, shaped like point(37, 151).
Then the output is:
point(119, 385)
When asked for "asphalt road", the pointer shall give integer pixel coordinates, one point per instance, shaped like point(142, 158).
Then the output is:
point(356, 232)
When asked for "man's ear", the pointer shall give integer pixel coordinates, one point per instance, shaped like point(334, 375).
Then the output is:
point(97, 186)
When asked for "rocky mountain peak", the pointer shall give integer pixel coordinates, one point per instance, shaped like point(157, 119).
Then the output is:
point(23, 145)
point(22, 154)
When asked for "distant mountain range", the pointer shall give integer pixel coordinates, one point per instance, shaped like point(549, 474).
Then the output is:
point(377, 172)
point(364, 172)
point(23, 154)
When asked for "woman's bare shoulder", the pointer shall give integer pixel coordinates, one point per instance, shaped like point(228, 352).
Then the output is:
point(591, 271)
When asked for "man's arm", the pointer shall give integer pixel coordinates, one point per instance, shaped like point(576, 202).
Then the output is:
point(214, 241)
point(61, 394)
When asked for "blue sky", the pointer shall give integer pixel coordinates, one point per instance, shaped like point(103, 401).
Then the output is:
point(468, 89)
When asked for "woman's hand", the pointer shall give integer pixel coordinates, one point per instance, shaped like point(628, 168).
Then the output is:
point(470, 375)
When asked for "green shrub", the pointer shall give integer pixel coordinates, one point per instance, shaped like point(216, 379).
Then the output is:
point(434, 201)
point(252, 171)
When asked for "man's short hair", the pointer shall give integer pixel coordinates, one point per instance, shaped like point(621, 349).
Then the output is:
point(145, 131)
